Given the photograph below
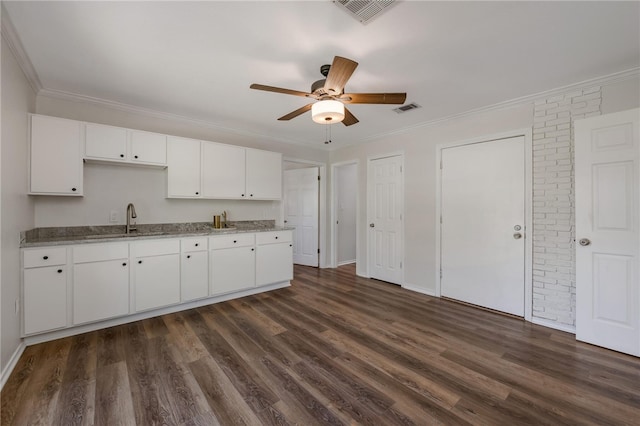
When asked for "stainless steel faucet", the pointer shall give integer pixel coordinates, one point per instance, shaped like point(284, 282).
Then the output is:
point(131, 214)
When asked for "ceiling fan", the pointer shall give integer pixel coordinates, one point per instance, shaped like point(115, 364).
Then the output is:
point(330, 96)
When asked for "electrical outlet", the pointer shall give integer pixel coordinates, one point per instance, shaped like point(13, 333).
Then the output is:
point(17, 306)
point(113, 216)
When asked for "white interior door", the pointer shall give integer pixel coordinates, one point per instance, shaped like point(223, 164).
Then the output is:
point(482, 228)
point(301, 213)
point(385, 188)
point(607, 229)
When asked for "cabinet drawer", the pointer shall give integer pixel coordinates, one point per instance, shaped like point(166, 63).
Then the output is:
point(273, 237)
point(48, 256)
point(194, 244)
point(100, 252)
point(233, 240)
point(155, 248)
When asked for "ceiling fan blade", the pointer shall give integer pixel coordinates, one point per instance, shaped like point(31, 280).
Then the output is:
point(349, 118)
point(296, 113)
point(373, 98)
point(281, 90)
point(339, 73)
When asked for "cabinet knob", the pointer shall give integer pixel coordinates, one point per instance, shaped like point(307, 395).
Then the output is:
point(197, 193)
point(74, 189)
point(124, 264)
point(235, 241)
point(45, 257)
point(135, 156)
point(188, 256)
point(197, 244)
point(243, 195)
point(252, 249)
point(276, 237)
point(139, 261)
point(250, 195)
point(121, 155)
point(59, 271)
point(290, 245)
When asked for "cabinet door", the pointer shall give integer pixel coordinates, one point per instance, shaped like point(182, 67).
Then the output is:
point(232, 269)
point(274, 263)
point(183, 167)
point(156, 281)
point(264, 175)
point(45, 299)
point(223, 171)
point(100, 290)
point(195, 276)
point(148, 147)
point(105, 142)
point(56, 156)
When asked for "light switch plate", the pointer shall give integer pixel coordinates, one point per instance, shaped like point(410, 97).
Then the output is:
point(113, 216)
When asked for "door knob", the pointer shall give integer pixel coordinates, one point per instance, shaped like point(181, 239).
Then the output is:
point(517, 235)
point(584, 242)
point(372, 225)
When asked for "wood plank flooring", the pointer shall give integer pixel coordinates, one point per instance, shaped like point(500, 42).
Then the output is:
point(331, 349)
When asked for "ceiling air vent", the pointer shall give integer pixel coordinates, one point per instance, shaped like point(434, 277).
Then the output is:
point(407, 107)
point(364, 10)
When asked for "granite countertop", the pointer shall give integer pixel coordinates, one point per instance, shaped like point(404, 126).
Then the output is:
point(108, 233)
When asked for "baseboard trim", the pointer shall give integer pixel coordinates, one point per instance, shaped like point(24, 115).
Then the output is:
point(551, 324)
point(346, 262)
point(419, 290)
point(13, 361)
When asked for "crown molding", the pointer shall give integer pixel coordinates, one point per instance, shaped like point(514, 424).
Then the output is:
point(10, 35)
point(617, 77)
point(74, 97)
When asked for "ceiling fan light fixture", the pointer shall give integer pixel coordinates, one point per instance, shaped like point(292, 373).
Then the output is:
point(327, 112)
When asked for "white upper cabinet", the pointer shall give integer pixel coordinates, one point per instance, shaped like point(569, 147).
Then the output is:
point(148, 148)
point(263, 174)
point(105, 142)
point(56, 156)
point(109, 143)
point(183, 168)
point(223, 171)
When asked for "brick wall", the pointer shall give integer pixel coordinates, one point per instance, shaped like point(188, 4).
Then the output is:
point(554, 268)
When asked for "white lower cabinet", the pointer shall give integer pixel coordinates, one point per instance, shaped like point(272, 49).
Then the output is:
point(66, 286)
point(274, 257)
point(156, 274)
point(232, 260)
point(194, 269)
point(45, 299)
point(100, 282)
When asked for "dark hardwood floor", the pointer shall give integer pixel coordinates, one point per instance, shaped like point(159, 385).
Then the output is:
point(331, 349)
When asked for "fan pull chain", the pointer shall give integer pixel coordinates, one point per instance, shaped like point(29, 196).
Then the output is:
point(327, 134)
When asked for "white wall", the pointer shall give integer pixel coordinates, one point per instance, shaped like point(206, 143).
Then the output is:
point(347, 181)
point(16, 207)
point(419, 147)
point(109, 188)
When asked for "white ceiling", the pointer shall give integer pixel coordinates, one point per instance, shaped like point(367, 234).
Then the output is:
point(197, 59)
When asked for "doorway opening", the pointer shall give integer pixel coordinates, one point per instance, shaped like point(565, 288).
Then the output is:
point(344, 213)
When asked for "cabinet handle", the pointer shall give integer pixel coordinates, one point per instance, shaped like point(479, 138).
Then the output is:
point(45, 257)
point(74, 189)
point(188, 256)
point(121, 155)
point(124, 264)
point(135, 156)
point(59, 271)
point(139, 261)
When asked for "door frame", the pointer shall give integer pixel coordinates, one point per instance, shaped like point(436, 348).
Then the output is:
point(322, 205)
point(528, 213)
point(334, 209)
point(369, 208)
